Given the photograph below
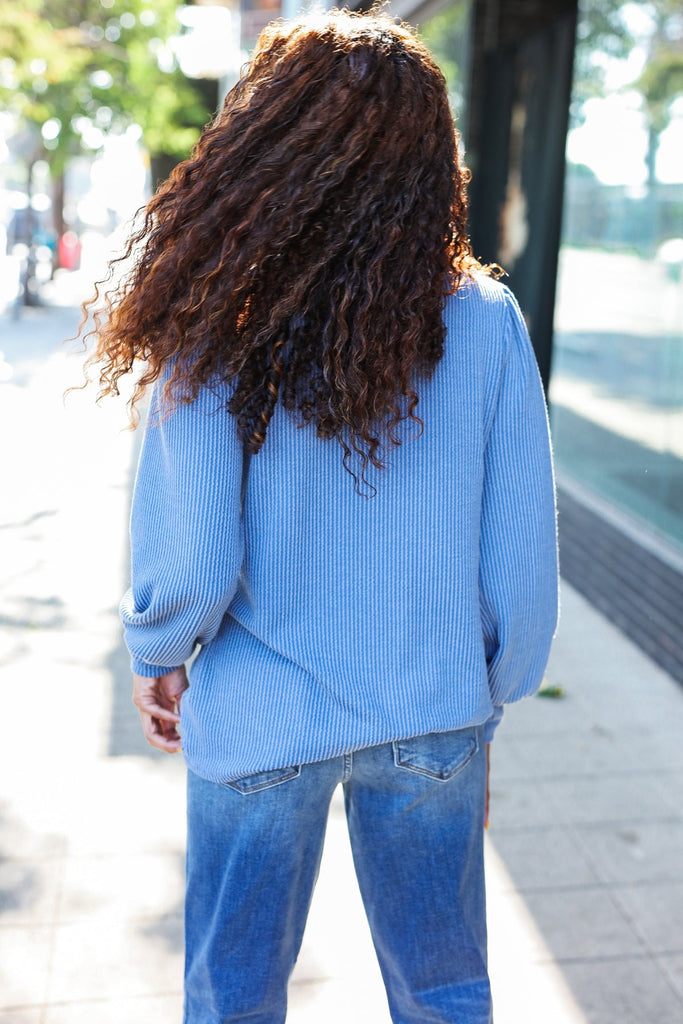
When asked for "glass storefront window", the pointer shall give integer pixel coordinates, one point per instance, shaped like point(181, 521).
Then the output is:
point(616, 388)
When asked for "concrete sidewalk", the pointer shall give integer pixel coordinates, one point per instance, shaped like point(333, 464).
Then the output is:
point(585, 850)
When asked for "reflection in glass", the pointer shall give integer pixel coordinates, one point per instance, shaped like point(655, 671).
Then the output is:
point(617, 382)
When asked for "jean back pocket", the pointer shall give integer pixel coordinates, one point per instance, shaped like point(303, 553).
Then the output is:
point(259, 781)
point(438, 755)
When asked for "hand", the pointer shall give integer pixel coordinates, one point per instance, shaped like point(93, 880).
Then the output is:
point(157, 698)
point(488, 772)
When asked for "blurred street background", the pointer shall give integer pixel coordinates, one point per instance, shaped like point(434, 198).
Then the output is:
point(572, 122)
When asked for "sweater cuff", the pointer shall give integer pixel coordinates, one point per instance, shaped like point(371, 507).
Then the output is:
point(491, 725)
point(141, 668)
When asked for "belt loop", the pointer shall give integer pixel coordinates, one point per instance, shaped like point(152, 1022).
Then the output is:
point(347, 767)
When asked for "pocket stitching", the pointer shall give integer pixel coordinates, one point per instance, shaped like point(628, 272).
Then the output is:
point(287, 775)
point(418, 770)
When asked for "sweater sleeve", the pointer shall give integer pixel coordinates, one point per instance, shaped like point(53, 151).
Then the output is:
point(186, 542)
point(518, 575)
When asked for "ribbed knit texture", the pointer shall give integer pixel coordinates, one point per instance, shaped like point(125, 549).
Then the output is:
point(329, 621)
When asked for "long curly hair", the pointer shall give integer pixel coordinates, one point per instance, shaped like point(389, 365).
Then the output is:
point(304, 250)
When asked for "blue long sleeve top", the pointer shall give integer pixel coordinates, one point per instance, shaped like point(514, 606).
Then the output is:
point(328, 621)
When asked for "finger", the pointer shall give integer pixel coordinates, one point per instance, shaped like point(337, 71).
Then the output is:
point(166, 699)
point(167, 729)
point(149, 706)
point(152, 728)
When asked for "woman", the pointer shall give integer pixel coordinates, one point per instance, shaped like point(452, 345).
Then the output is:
point(345, 501)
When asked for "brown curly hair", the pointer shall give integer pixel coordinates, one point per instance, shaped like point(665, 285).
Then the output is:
point(303, 251)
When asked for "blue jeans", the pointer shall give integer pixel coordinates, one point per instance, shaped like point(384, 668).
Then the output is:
point(415, 812)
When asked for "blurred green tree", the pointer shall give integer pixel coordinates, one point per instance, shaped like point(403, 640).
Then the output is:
point(447, 34)
point(661, 81)
point(73, 72)
point(610, 30)
point(602, 35)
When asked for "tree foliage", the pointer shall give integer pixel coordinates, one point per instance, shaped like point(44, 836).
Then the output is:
point(661, 81)
point(89, 67)
point(609, 30)
point(446, 35)
point(602, 32)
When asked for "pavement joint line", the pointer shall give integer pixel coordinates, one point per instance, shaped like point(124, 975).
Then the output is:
point(661, 959)
point(90, 1001)
point(593, 862)
point(102, 917)
point(593, 776)
point(605, 958)
point(664, 973)
point(575, 887)
point(568, 822)
point(634, 924)
point(669, 819)
point(520, 779)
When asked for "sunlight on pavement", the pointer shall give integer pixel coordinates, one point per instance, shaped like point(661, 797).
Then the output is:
point(635, 420)
point(527, 984)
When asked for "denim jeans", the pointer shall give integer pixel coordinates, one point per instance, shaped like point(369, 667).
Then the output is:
point(415, 812)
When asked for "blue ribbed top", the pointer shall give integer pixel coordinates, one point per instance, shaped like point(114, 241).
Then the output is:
point(329, 621)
